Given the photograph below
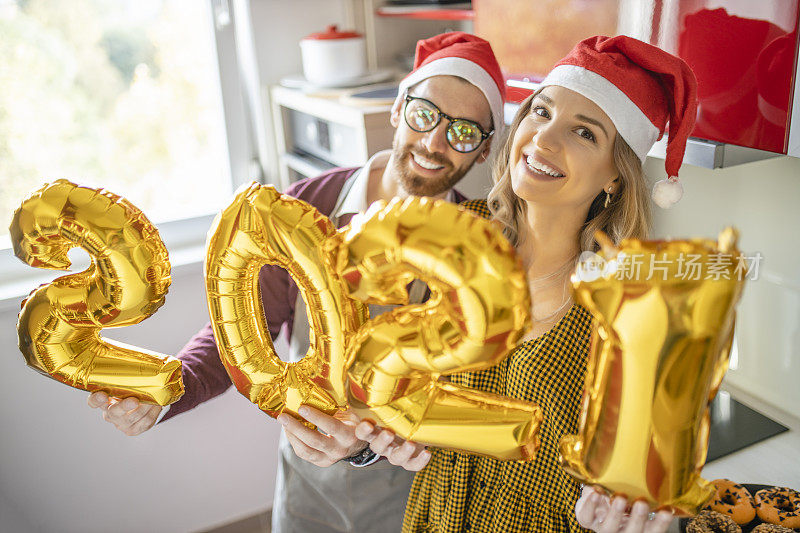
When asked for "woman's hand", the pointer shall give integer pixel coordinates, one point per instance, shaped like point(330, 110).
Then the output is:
point(399, 452)
point(598, 512)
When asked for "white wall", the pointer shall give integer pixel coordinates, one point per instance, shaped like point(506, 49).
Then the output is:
point(11, 519)
point(279, 26)
point(763, 201)
point(63, 469)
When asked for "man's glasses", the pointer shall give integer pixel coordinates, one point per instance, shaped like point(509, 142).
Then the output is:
point(462, 135)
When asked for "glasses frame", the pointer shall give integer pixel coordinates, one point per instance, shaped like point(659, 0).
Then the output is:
point(484, 135)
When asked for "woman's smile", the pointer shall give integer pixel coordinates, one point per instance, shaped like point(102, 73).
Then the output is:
point(540, 168)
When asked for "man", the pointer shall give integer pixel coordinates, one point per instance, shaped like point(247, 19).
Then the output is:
point(447, 111)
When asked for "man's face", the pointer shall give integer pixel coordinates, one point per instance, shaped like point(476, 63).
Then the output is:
point(424, 161)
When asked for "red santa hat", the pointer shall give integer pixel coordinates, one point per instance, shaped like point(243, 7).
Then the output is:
point(463, 55)
point(641, 88)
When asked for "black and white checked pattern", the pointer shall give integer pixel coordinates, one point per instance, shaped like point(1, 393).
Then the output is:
point(460, 492)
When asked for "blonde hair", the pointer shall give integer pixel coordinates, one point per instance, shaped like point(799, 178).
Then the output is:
point(628, 214)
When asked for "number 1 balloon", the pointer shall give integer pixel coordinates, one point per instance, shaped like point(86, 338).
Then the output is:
point(663, 323)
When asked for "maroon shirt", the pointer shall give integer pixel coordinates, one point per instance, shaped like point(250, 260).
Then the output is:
point(204, 376)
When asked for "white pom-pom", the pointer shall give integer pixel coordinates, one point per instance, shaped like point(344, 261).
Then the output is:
point(668, 192)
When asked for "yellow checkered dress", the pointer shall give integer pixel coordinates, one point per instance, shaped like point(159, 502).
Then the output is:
point(460, 492)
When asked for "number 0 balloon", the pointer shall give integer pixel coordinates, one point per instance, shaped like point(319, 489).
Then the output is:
point(260, 227)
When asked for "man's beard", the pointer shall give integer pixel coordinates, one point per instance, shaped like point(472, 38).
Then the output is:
point(417, 185)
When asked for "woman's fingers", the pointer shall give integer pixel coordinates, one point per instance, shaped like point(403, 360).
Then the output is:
point(380, 440)
point(613, 519)
point(595, 511)
point(399, 455)
point(586, 506)
point(638, 518)
point(660, 523)
point(410, 455)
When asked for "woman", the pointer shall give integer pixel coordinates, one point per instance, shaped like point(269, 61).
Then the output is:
point(572, 165)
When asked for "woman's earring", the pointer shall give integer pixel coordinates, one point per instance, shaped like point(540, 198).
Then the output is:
point(608, 200)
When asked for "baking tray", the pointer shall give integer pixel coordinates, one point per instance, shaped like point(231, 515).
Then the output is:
point(747, 527)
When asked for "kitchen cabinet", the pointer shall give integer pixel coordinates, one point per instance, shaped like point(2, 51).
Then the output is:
point(316, 133)
point(744, 55)
point(432, 12)
point(392, 31)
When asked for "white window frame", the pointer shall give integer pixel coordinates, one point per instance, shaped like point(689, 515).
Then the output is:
point(185, 238)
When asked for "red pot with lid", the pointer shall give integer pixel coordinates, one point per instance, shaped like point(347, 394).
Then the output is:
point(333, 57)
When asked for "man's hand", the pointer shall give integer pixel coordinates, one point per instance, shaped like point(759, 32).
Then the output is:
point(410, 455)
point(338, 441)
point(130, 416)
point(597, 512)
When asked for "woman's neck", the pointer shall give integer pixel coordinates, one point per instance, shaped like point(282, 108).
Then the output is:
point(549, 238)
point(549, 246)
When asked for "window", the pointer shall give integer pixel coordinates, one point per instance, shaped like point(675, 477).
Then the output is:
point(120, 94)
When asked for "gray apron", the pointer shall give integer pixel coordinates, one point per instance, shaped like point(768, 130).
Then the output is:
point(342, 497)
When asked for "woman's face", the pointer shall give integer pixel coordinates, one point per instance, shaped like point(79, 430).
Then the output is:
point(562, 153)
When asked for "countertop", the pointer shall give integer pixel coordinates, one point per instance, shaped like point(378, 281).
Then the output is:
point(774, 461)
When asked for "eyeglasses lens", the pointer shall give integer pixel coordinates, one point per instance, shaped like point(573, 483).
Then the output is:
point(463, 136)
point(421, 116)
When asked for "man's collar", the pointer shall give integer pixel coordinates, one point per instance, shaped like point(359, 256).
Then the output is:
point(355, 197)
point(355, 200)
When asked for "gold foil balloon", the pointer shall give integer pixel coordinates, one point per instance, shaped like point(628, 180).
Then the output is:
point(60, 322)
point(262, 227)
point(478, 310)
point(663, 324)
